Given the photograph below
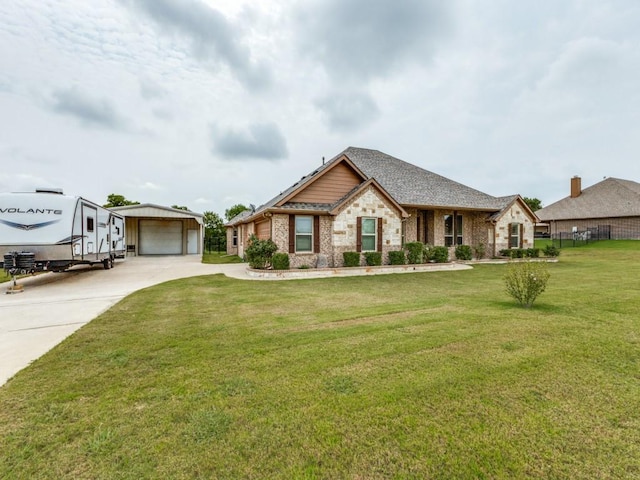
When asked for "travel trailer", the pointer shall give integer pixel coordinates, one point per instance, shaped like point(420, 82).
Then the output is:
point(46, 230)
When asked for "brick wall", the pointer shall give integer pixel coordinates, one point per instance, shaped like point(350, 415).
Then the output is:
point(475, 228)
point(231, 248)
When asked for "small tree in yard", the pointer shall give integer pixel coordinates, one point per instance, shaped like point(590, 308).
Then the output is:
point(259, 252)
point(526, 280)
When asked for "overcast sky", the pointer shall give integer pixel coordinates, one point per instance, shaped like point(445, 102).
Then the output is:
point(209, 103)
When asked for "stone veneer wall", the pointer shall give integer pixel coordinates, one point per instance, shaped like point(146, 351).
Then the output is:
point(515, 214)
point(280, 231)
point(367, 204)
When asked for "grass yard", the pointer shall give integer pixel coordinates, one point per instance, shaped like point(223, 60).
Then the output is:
point(219, 257)
point(428, 375)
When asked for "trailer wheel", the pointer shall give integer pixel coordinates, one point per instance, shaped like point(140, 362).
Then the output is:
point(106, 263)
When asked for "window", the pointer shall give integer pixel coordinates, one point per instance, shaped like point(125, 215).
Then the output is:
point(369, 240)
point(514, 235)
point(235, 237)
point(304, 234)
point(452, 230)
point(89, 224)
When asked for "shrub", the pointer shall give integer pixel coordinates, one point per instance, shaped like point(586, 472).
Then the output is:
point(439, 254)
point(463, 252)
point(396, 257)
point(426, 249)
point(280, 261)
point(414, 252)
point(373, 259)
point(532, 252)
point(259, 252)
point(526, 280)
point(479, 250)
point(551, 251)
point(512, 253)
point(351, 259)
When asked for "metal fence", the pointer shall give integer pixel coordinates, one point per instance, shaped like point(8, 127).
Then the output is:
point(578, 238)
point(215, 244)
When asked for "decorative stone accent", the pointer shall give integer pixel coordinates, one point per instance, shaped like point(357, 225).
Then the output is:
point(368, 204)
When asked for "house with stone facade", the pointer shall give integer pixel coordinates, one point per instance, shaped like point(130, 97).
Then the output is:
point(609, 209)
point(365, 200)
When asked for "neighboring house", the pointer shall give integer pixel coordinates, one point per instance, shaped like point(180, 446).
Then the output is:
point(155, 230)
point(365, 200)
point(610, 209)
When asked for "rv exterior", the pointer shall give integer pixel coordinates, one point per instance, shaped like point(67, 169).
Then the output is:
point(55, 232)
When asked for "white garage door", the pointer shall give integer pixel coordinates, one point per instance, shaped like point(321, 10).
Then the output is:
point(160, 237)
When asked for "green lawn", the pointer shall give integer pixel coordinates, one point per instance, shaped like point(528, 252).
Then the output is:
point(429, 375)
point(218, 257)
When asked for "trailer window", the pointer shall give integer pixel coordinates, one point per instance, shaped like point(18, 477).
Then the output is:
point(89, 224)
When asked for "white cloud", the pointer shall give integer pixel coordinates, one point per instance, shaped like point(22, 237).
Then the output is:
point(89, 110)
point(503, 96)
point(348, 111)
point(211, 35)
point(262, 141)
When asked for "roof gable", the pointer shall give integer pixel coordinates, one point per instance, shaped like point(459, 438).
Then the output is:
point(371, 182)
point(328, 185)
point(509, 202)
point(612, 197)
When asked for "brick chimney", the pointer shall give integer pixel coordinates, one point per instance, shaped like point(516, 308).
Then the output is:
point(576, 186)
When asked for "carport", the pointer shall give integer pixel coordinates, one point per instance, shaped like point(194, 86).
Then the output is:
point(156, 230)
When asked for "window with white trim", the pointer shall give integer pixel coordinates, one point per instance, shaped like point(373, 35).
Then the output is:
point(514, 235)
point(304, 233)
point(369, 234)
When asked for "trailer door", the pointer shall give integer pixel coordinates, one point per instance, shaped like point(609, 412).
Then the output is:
point(89, 232)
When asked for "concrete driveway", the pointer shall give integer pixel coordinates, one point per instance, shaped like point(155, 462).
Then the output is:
point(54, 305)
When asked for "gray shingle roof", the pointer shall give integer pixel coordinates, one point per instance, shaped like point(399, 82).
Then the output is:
point(612, 197)
point(412, 185)
point(408, 184)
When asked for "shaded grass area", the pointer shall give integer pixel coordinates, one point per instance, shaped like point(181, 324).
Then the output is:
point(429, 375)
point(218, 258)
